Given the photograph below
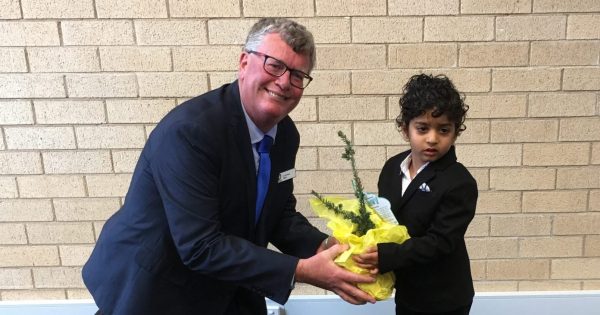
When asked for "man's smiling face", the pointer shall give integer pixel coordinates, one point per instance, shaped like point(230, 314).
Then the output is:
point(267, 99)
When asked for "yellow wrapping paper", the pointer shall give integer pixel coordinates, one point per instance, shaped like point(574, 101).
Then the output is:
point(383, 232)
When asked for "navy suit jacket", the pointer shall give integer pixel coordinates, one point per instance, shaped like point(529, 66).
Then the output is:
point(432, 268)
point(185, 241)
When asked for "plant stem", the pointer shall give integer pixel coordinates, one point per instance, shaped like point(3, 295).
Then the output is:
point(357, 184)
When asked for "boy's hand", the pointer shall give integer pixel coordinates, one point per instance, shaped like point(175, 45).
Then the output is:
point(368, 260)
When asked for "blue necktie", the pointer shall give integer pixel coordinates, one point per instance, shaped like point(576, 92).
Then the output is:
point(264, 174)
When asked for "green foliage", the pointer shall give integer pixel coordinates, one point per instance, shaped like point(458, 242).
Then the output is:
point(362, 219)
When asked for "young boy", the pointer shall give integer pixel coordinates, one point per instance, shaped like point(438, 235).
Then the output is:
point(434, 196)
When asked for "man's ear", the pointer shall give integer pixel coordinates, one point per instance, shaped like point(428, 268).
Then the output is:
point(243, 63)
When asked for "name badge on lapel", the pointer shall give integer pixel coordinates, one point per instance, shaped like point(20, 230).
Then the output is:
point(289, 174)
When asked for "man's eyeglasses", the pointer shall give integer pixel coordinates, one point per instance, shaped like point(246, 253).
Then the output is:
point(277, 68)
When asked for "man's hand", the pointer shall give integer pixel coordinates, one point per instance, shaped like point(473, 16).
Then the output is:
point(368, 260)
point(320, 270)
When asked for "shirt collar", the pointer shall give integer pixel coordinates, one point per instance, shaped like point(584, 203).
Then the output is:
point(404, 166)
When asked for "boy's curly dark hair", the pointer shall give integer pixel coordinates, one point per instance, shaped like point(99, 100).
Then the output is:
point(425, 92)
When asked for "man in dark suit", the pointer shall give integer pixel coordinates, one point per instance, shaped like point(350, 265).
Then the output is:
point(191, 237)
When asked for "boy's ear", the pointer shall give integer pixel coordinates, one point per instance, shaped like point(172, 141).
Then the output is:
point(456, 132)
point(404, 132)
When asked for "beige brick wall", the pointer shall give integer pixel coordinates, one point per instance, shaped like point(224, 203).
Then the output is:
point(82, 83)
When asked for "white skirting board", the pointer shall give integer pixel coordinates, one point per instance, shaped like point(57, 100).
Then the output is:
point(494, 303)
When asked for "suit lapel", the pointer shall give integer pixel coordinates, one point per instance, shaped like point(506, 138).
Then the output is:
point(423, 177)
point(243, 147)
point(427, 174)
point(395, 196)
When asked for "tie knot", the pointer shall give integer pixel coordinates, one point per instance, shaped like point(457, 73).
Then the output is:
point(264, 146)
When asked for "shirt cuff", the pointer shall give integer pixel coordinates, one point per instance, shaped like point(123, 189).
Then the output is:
point(293, 283)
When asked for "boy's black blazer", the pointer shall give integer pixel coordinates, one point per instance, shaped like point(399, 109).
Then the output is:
point(185, 241)
point(432, 268)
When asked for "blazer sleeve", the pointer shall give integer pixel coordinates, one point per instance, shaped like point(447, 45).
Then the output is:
point(445, 232)
point(185, 168)
point(291, 232)
point(294, 235)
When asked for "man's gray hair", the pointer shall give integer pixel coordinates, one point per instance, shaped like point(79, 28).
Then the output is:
point(292, 33)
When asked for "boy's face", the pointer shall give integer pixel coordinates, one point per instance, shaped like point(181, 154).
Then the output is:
point(430, 137)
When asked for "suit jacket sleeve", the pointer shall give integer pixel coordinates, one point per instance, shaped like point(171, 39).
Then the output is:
point(294, 235)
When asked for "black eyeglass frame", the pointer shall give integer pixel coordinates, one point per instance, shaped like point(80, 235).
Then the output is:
point(286, 69)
